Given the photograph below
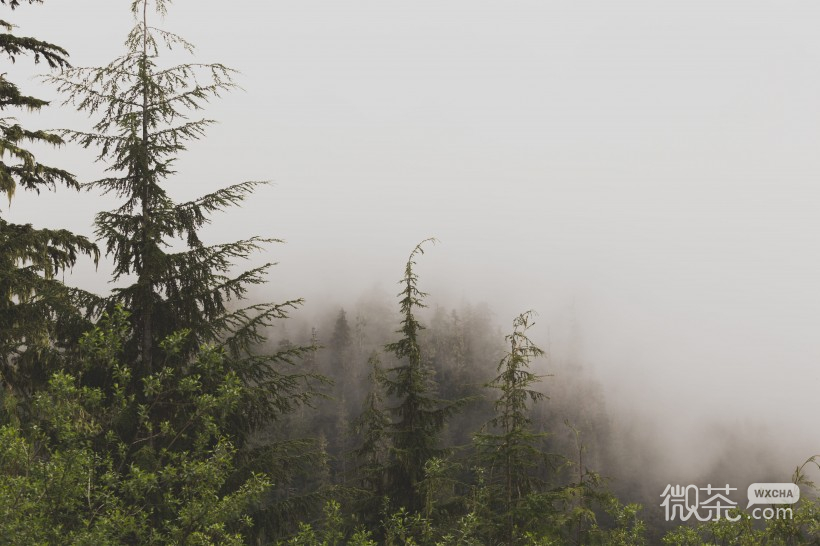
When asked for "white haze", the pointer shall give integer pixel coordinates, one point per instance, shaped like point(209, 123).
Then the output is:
point(647, 169)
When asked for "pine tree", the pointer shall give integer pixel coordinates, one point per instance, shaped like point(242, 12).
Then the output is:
point(145, 120)
point(508, 447)
point(341, 349)
point(174, 281)
point(340, 344)
point(38, 314)
point(371, 428)
point(419, 416)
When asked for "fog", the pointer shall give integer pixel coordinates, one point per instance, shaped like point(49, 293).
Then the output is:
point(643, 172)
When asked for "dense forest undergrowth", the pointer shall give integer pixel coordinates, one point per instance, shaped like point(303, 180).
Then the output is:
point(162, 413)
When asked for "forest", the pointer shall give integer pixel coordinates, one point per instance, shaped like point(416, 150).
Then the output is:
point(178, 409)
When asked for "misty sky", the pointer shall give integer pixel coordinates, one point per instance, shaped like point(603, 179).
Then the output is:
point(648, 169)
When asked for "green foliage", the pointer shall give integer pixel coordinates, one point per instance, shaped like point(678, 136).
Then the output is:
point(331, 532)
point(75, 475)
point(38, 314)
point(628, 528)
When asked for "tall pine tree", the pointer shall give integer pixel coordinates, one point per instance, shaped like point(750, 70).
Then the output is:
point(173, 282)
point(509, 447)
point(419, 415)
point(145, 120)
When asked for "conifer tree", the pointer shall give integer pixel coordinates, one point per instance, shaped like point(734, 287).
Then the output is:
point(37, 312)
point(341, 354)
point(371, 428)
point(172, 281)
point(508, 447)
point(419, 415)
point(145, 119)
point(341, 342)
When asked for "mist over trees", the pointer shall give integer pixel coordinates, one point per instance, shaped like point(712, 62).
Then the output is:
point(176, 410)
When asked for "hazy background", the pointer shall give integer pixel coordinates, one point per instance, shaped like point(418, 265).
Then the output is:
point(645, 170)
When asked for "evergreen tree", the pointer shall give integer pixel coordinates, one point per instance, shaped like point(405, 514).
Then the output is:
point(508, 447)
point(341, 369)
point(371, 428)
point(341, 342)
point(145, 121)
point(175, 282)
point(37, 312)
point(341, 339)
point(419, 416)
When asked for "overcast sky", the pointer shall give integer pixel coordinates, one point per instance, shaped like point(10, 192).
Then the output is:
point(648, 168)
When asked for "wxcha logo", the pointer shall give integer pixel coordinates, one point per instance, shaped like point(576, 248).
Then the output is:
point(772, 493)
point(713, 503)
